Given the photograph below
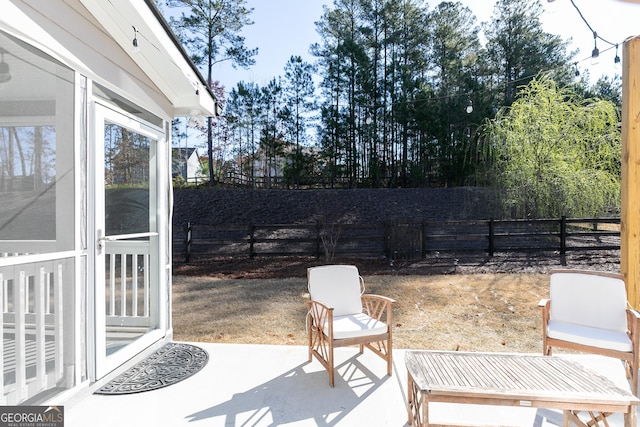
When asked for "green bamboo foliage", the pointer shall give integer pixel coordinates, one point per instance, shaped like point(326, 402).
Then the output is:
point(553, 153)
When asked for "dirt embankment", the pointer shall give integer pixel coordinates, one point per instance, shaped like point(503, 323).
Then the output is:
point(356, 206)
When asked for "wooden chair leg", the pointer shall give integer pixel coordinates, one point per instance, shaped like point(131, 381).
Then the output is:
point(310, 335)
point(633, 371)
point(331, 368)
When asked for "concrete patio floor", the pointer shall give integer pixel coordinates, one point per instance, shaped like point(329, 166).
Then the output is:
point(261, 385)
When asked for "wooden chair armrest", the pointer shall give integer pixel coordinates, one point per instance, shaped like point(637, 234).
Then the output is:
point(545, 305)
point(379, 297)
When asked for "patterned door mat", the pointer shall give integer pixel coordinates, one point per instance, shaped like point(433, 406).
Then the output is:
point(171, 364)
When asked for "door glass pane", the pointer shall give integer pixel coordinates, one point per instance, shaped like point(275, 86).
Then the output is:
point(126, 178)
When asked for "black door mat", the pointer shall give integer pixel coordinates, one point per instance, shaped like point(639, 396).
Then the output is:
point(171, 364)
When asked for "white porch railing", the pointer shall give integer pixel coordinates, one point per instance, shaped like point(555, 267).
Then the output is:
point(128, 292)
point(31, 298)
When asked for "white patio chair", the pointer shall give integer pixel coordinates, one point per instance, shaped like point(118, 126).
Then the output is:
point(340, 314)
point(588, 311)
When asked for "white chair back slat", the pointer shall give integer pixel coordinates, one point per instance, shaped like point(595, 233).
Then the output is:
point(337, 286)
point(588, 299)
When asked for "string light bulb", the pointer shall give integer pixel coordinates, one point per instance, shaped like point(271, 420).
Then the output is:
point(469, 107)
point(595, 53)
point(577, 71)
point(136, 46)
point(616, 61)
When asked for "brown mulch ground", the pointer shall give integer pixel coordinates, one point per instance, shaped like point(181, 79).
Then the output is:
point(283, 267)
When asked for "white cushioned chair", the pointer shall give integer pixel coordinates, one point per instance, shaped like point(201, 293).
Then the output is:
point(340, 314)
point(588, 311)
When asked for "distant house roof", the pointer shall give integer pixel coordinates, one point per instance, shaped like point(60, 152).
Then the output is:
point(183, 153)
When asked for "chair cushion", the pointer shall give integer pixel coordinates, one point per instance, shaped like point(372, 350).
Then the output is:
point(596, 337)
point(588, 299)
point(356, 325)
point(337, 286)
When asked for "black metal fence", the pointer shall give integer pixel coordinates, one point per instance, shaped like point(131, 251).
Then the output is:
point(398, 240)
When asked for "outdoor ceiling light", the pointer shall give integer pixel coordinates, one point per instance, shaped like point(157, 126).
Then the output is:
point(5, 74)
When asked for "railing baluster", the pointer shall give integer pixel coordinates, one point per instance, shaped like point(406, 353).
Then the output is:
point(59, 321)
point(134, 285)
point(112, 285)
point(20, 331)
point(5, 297)
point(26, 295)
point(39, 292)
point(146, 285)
point(47, 293)
point(123, 285)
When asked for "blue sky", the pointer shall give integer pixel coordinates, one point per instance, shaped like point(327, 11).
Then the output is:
point(287, 27)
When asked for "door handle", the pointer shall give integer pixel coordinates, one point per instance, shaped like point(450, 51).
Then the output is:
point(101, 240)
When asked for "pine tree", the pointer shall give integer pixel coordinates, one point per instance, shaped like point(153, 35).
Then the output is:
point(518, 49)
point(210, 31)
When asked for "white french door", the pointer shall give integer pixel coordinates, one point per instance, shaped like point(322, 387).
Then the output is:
point(126, 297)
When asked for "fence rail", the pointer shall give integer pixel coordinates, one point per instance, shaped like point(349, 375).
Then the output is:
point(397, 240)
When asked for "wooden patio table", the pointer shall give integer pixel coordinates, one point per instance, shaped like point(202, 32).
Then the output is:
point(513, 380)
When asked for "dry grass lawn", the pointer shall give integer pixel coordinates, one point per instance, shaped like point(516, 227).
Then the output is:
point(466, 312)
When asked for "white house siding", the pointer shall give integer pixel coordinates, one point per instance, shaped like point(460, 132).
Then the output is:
point(47, 286)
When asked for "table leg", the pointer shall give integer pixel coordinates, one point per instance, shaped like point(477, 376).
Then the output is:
point(630, 418)
point(424, 406)
point(418, 405)
point(571, 417)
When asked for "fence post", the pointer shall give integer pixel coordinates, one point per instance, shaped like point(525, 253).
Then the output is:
point(251, 239)
point(491, 237)
point(563, 235)
point(187, 243)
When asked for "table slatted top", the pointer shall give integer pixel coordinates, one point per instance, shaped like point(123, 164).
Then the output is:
point(518, 376)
